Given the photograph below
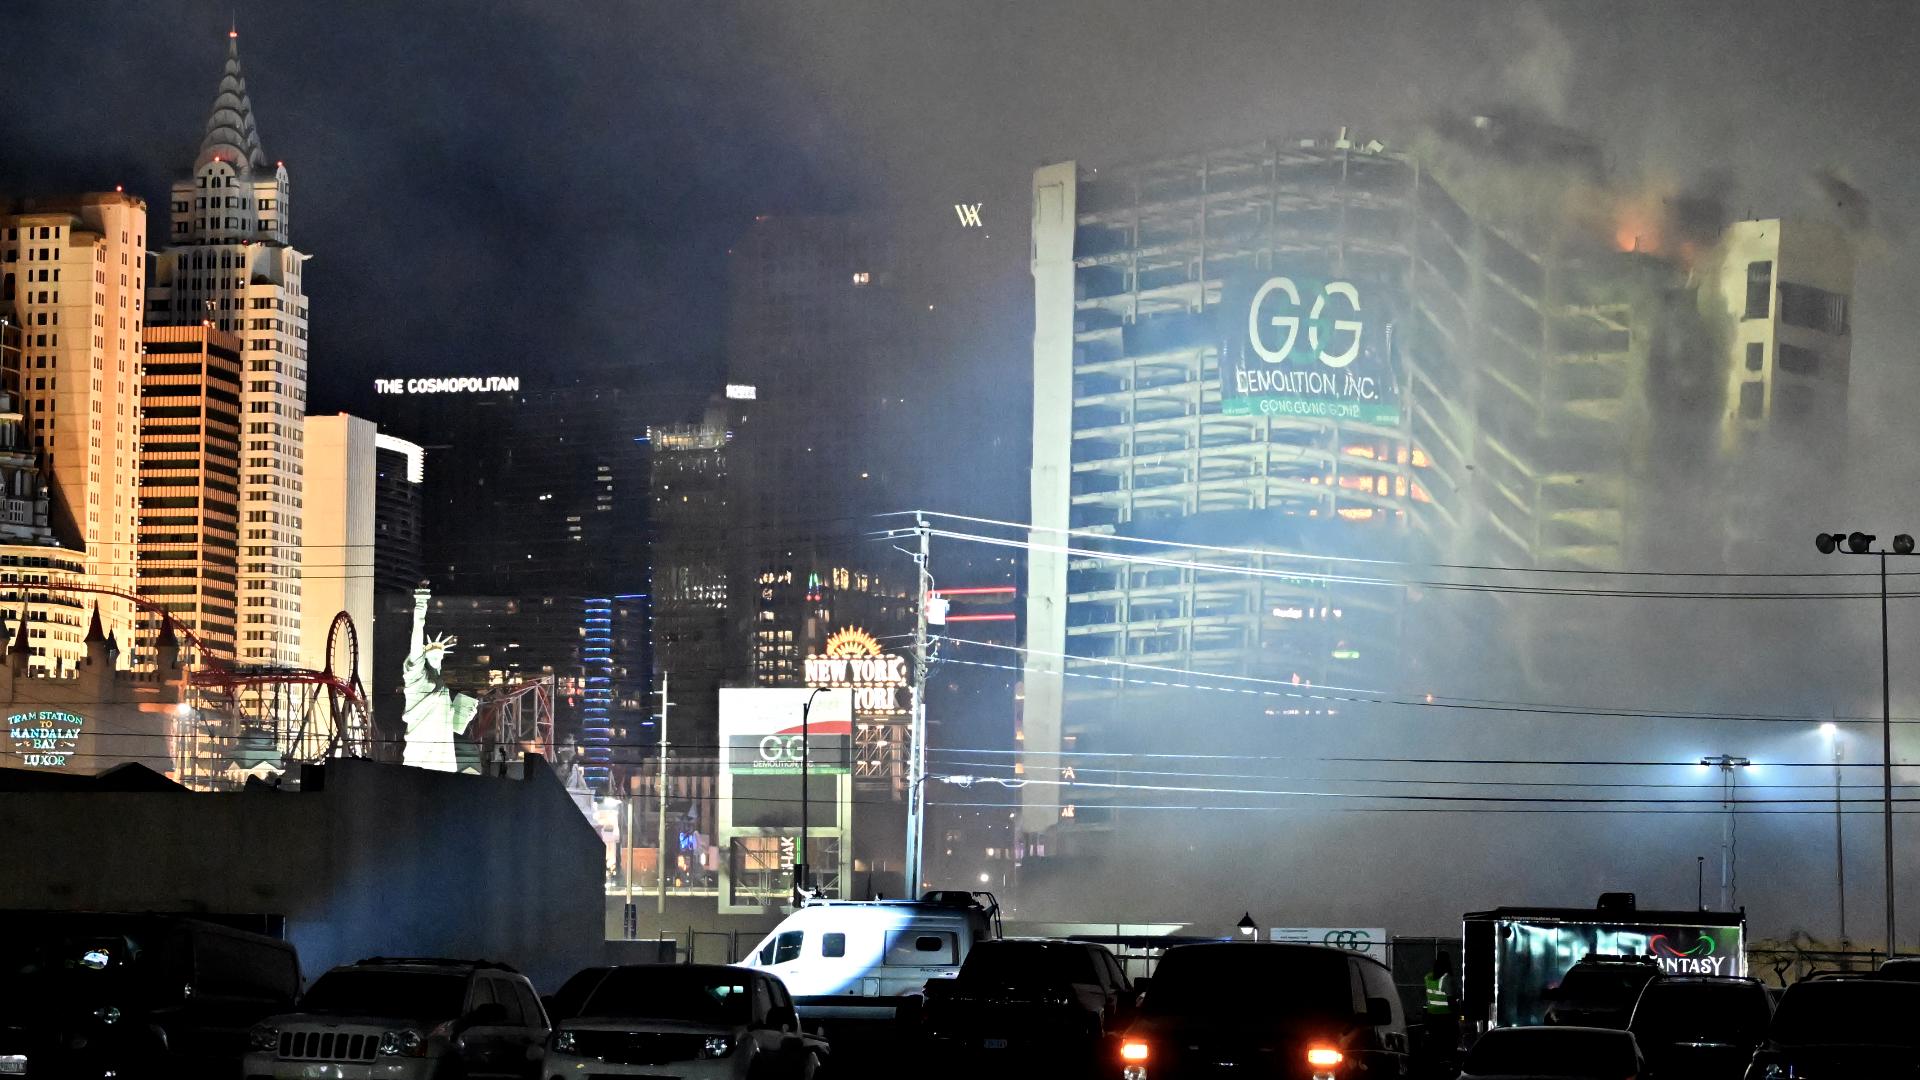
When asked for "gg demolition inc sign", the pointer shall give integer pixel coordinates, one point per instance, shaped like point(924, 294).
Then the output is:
point(44, 739)
point(1306, 346)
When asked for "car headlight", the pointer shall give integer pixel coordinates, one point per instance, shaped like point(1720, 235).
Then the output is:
point(565, 1042)
point(263, 1037)
point(107, 1014)
point(717, 1046)
point(405, 1042)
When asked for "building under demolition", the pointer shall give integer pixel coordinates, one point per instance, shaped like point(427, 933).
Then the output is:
point(1272, 375)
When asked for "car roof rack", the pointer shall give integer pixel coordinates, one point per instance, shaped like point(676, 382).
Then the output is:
point(433, 961)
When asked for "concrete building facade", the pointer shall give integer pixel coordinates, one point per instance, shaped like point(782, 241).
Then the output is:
point(341, 537)
point(76, 273)
point(190, 481)
point(1540, 360)
point(228, 262)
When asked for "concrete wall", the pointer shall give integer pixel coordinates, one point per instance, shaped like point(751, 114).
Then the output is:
point(380, 859)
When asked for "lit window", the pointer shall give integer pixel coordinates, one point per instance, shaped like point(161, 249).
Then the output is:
point(861, 277)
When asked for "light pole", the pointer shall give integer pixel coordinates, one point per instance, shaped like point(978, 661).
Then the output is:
point(800, 882)
point(1729, 796)
point(1832, 731)
point(1249, 930)
point(1859, 543)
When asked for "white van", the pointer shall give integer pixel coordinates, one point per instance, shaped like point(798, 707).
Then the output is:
point(866, 960)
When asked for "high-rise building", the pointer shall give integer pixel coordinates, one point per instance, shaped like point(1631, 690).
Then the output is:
point(401, 471)
point(228, 262)
point(30, 555)
point(190, 477)
point(1251, 361)
point(74, 276)
point(341, 535)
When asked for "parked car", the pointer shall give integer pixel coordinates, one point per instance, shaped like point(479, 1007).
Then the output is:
point(1555, 1053)
point(564, 1003)
point(406, 1019)
point(1902, 968)
point(93, 994)
point(1599, 991)
point(1264, 1009)
point(1028, 997)
point(700, 1021)
point(850, 960)
point(1701, 1027)
point(1843, 1027)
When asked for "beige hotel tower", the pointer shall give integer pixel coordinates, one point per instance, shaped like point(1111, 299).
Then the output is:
point(227, 263)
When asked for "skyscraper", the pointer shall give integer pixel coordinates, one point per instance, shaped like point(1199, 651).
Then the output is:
point(74, 273)
point(190, 476)
point(341, 536)
point(228, 262)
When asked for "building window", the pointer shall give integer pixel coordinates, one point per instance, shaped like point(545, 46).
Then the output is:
point(1759, 290)
point(1753, 400)
point(1798, 361)
point(1756, 355)
point(1813, 309)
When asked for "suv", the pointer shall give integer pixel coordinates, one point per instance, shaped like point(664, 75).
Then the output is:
point(1701, 1026)
point(1599, 991)
point(1861, 1027)
point(1022, 996)
point(706, 1021)
point(93, 994)
point(406, 1020)
point(1265, 1009)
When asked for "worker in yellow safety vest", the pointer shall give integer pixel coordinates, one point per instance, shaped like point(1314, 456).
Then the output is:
point(1442, 1034)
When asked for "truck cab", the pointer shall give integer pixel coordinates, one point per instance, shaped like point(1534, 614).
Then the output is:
point(871, 960)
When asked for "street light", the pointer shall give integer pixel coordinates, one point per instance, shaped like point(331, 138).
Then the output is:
point(1859, 543)
point(1831, 731)
point(1729, 796)
point(800, 882)
point(1247, 927)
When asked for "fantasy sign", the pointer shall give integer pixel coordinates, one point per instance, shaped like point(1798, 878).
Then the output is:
point(852, 659)
point(44, 739)
point(1306, 346)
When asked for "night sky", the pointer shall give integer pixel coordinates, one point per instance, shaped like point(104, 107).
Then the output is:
point(550, 184)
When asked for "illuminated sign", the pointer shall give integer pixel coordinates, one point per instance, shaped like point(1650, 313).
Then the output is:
point(761, 728)
point(1535, 956)
point(852, 659)
point(742, 392)
point(969, 214)
point(470, 384)
point(44, 739)
point(1303, 346)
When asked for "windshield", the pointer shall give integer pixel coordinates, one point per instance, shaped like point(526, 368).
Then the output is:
point(1701, 1012)
point(1273, 981)
point(415, 995)
point(35, 968)
point(1021, 963)
point(1852, 1011)
point(686, 995)
point(1556, 1052)
point(1598, 984)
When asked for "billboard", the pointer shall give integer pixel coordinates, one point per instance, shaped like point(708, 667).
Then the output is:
point(1533, 956)
point(1365, 940)
point(1308, 346)
point(761, 730)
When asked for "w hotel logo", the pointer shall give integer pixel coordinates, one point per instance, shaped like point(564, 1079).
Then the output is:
point(969, 214)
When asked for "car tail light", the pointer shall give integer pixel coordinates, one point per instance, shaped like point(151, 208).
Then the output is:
point(1324, 1057)
point(1134, 1051)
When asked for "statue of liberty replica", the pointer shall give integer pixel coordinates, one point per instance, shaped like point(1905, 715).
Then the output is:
point(434, 714)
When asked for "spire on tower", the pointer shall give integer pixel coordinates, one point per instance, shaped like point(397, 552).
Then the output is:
point(231, 134)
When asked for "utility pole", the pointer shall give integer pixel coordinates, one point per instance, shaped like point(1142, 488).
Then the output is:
point(1859, 543)
point(665, 704)
point(917, 731)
